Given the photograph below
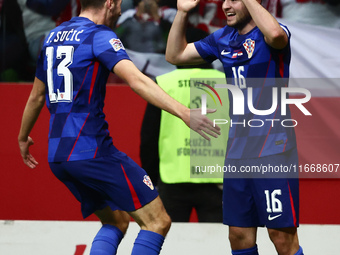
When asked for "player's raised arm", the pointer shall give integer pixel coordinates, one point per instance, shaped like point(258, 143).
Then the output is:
point(31, 113)
point(273, 33)
point(178, 51)
point(152, 93)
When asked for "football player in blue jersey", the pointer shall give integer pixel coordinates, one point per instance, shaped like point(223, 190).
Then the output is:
point(255, 52)
point(71, 76)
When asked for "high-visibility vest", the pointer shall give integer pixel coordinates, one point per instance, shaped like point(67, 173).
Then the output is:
point(185, 156)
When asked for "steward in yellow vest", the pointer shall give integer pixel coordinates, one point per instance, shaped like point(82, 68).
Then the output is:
point(184, 157)
point(185, 179)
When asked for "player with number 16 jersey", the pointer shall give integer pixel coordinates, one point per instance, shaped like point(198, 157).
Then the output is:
point(255, 53)
point(250, 63)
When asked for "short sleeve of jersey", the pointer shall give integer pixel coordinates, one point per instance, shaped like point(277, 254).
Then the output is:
point(285, 50)
point(286, 30)
point(207, 47)
point(108, 49)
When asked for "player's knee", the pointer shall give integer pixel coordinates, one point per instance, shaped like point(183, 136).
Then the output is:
point(165, 224)
point(122, 222)
point(240, 239)
point(284, 243)
point(160, 225)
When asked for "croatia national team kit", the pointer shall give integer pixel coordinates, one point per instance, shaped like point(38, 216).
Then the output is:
point(260, 72)
point(75, 62)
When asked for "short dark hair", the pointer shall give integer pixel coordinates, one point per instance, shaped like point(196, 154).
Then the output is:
point(91, 3)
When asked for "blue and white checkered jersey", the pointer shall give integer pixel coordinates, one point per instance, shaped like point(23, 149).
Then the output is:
point(256, 69)
point(75, 62)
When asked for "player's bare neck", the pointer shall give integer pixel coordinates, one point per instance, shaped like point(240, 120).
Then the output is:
point(242, 30)
point(96, 16)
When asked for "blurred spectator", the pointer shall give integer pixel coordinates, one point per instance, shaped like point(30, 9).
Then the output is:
point(208, 16)
point(144, 31)
point(13, 46)
point(60, 10)
point(145, 28)
point(41, 16)
point(126, 4)
point(36, 27)
point(315, 12)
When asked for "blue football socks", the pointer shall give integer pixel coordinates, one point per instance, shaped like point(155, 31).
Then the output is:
point(106, 241)
point(147, 242)
point(249, 251)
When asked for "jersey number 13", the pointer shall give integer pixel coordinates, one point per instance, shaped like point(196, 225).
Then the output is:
point(62, 70)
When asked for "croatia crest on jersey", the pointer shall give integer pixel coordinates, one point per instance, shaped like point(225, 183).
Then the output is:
point(148, 182)
point(116, 44)
point(249, 46)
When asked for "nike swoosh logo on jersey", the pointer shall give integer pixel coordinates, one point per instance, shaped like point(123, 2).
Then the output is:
point(223, 52)
point(274, 217)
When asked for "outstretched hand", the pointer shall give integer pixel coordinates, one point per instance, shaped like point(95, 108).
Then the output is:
point(25, 154)
point(187, 5)
point(202, 124)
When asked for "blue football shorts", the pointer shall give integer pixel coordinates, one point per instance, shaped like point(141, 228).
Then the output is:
point(259, 202)
point(114, 180)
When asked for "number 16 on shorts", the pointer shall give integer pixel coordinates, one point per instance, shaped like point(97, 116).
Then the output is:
point(277, 216)
point(274, 205)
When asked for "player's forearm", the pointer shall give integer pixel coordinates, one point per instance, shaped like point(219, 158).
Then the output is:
point(271, 29)
point(149, 90)
point(31, 113)
point(176, 39)
point(155, 95)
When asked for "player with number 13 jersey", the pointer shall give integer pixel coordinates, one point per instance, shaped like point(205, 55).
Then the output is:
point(78, 129)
